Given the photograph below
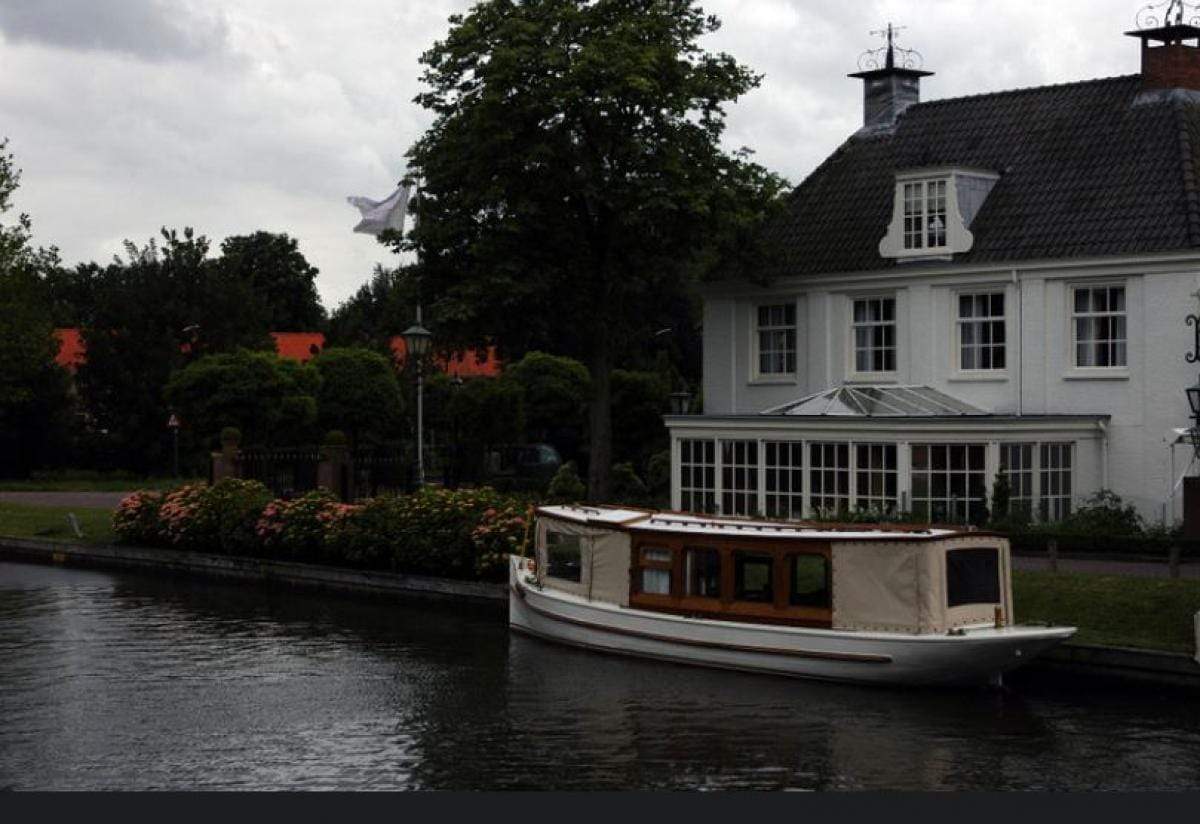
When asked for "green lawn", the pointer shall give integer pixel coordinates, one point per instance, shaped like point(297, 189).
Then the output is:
point(93, 484)
point(1147, 613)
point(20, 521)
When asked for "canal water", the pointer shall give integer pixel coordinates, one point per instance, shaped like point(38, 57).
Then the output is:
point(123, 681)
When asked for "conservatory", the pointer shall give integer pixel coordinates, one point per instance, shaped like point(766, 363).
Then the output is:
point(884, 450)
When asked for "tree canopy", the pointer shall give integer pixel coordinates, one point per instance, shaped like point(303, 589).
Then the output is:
point(33, 388)
point(281, 279)
point(359, 394)
point(574, 182)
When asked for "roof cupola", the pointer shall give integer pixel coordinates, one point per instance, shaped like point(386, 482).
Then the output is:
point(891, 80)
point(1170, 35)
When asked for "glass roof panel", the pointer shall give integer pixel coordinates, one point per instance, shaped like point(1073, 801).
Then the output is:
point(878, 402)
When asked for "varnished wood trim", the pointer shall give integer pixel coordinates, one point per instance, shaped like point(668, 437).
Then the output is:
point(852, 657)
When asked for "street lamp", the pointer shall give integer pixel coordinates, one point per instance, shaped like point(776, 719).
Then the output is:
point(417, 342)
point(173, 425)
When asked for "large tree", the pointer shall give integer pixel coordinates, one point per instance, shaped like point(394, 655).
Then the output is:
point(154, 312)
point(33, 388)
point(574, 181)
point(282, 280)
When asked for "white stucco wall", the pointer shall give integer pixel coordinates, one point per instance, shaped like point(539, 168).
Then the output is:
point(1145, 401)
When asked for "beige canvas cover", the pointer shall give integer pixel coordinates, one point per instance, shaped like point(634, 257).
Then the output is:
point(604, 559)
point(900, 586)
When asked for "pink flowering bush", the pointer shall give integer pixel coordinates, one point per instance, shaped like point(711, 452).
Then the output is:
point(502, 531)
point(296, 529)
point(177, 515)
point(135, 520)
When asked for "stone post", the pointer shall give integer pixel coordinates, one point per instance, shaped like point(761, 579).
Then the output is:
point(335, 470)
point(225, 463)
point(1053, 553)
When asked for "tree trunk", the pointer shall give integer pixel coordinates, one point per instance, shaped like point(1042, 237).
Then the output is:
point(600, 430)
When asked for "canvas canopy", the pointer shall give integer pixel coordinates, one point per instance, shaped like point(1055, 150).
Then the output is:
point(604, 561)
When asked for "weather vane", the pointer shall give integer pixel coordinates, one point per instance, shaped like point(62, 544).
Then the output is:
point(885, 57)
point(1168, 13)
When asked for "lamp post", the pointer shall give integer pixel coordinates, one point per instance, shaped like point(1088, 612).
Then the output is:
point(173, 425)
point(681, 402)
point(417, 341)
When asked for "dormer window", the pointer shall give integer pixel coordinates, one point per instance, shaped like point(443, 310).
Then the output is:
point(925, 215)
point(933, 211)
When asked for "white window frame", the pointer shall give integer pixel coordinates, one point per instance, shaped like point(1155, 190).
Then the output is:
point(960, 322)
point(756, 334)
point(747, 462)
point(1073, 343)
point(877, 376)
point(917, 193)
point(688, 493)
point(948, 498)
point(790, 503)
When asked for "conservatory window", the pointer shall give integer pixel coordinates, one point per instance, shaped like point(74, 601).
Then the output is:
point(829, 476)
point(698, 476)
point(1016, 463)
point(981, 332)
point(785, 480)
point(949, 482)
point(876, 477)
point(875, 335)
point(777, 340)
point(739, 477)
point(1055, 502)
point(1100, 327)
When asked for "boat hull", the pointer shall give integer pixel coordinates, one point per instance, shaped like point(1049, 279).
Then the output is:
point(980, 656)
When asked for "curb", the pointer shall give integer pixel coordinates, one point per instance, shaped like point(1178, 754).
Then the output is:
point(304, 576)
point(1150, 666)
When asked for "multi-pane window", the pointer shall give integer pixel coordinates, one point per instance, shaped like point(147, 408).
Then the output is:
point(1016, 462)
point(1100, 327)
point(829, 477)
point(656, 567)
point(981, 332)
point(698, 476)
point(1055, 502)
point(876, 477)
point(875, 335)
point(785, 479)
point(925, 214)
point(777, 339)
point(949, 482)
point(739, 477)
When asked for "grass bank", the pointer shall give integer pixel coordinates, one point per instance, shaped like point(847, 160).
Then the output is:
point(51, 522)
point(89, 482)
point(1112, 610)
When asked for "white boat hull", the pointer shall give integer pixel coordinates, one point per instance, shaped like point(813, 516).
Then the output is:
point(979, 656)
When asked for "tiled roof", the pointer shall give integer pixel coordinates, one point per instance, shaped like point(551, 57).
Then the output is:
point(1083, 172)
point(463, 365)
point(71, 349)
point(298, 346)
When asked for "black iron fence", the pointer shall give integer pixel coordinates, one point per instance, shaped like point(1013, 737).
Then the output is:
point(286, 472)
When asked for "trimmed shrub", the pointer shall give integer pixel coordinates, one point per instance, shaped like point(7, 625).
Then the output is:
point(177, 515)
point(566, 487)
point(136, 519)
point(502, 531)
point(296, 529)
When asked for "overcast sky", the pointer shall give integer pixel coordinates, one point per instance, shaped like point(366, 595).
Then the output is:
point(237, 115)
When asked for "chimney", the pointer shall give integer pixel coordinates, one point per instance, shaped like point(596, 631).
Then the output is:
point(889, 87)
point(1170, 46)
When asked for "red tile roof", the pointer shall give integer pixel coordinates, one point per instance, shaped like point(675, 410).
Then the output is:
point(462, 365)
point(71, 349)
point(298, 346)
point(303, 347)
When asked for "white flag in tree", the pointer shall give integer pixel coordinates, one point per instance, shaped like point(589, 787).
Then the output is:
point(379, 216)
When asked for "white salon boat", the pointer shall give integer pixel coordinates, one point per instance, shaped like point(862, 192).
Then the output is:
point(889, 605)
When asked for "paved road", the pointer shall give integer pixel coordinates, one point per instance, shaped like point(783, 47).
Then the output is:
point(82, 500)
point(1189, 571)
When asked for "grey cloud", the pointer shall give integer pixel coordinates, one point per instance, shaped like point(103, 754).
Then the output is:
point(149, 29)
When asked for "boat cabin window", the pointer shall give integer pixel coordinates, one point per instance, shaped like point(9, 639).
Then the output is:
point(972, 577)
point(656, 571)
point(702, 572)
point(810, 584)
point(564, 557)
point(752, 576)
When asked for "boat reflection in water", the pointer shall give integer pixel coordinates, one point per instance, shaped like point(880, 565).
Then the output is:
point(867, 605)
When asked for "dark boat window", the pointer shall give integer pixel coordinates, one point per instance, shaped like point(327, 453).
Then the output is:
point(810, 581)
point(564, 557)
point(752, 577)
point(972, 577)
point(702, 569)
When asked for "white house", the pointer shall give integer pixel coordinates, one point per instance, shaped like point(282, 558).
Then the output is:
point(968, 286)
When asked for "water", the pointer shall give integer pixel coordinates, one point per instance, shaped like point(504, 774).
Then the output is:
point(122, 681)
